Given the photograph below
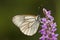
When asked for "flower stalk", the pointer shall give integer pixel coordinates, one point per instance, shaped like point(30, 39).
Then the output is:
point(48, 26)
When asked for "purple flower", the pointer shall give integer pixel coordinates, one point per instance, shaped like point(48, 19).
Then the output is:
point(44, 26)
point(50, 17)
point(54, 35)
point(49, 12)
point(48, 27)
point(42, 31)
point(43, 20)
point(53, 25)
point(46, 12)
point(43, 37)
point(54, 29)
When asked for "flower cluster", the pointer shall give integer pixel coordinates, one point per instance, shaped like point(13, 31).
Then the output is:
point(48, 27)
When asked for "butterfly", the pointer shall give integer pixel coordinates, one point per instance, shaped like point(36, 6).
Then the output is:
point(28, 24)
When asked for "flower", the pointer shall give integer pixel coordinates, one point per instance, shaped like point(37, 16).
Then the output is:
point(44, 26)
point(53, 25)
point(43, 20)
point(48, 27)
point(42, 31)
point(46, 12)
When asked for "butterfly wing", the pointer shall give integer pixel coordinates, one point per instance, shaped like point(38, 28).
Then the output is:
point(26, 23)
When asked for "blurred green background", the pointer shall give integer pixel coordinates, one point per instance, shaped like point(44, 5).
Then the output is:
point(10, 8)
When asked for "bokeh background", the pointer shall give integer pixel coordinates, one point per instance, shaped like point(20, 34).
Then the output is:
point(10, 8)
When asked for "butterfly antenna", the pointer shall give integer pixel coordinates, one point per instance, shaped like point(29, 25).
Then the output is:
point(39, 13)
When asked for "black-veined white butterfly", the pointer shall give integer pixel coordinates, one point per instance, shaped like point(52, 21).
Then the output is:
point(28, 24)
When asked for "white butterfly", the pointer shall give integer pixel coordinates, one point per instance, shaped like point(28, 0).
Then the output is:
point(28, 24)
